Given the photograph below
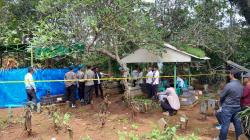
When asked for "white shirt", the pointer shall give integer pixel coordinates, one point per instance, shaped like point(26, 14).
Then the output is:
point(172, 98)
point(149, 77)
point(156, 77)
point(98, 79)
point(134, 74)
point(180, 82)
point(29, 83)
point(140, 77)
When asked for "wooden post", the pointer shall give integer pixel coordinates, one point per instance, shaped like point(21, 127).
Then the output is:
point(189, 75)
point(175, 75)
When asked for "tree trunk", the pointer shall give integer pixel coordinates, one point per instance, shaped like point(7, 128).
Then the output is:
point(123, 65)
point(125, 75)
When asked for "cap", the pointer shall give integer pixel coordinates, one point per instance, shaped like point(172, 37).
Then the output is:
point(71, 67)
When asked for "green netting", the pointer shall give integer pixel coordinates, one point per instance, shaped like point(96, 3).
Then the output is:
point(57, 50)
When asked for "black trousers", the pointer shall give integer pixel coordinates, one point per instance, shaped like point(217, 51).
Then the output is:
point(81, 90)
point(167, 107)
point(154, 90)
point(97, 88)
point(88, 94)
point(149, 90)
point(31, 95)
point(70, 94)
point(134, 83)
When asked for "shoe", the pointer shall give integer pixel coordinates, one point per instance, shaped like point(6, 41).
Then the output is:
point(216, 138)
point(165, 113)
point(218, 127)
point(81, 101)
point(73, 106)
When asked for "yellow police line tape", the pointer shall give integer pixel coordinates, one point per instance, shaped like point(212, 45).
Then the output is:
point(105, 79)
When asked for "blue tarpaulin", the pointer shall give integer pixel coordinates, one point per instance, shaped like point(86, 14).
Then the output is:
point(14, 95)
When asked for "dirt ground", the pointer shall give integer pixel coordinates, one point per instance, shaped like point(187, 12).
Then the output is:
point(85, 122)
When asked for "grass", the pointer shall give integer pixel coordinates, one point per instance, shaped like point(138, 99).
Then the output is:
point(194, 51)
point(191, 50)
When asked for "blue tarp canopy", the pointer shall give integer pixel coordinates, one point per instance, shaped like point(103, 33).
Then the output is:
point(14, 95)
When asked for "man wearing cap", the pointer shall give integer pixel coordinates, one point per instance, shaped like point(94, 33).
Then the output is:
point(30, 86)
point(70, 86)
point(230, 106)
point(245, 99)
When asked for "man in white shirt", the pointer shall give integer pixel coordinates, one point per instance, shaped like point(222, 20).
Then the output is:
point(30, 86)
point(180, 82)
point(155, 81)
point(140, 77)
point(98, 82)
point(135, 75)
point(170, 102)
point(149, 77)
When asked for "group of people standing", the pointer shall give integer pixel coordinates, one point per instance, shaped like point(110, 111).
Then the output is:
point(233, 99)
point(85, 81)
point(152, 81)
point(169, 100)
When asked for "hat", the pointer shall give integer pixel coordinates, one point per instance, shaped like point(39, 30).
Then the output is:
point(71, 67)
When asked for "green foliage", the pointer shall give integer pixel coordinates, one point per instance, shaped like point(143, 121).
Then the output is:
point(66, 118)
point(17, 20)
point(3, 123)
point(128, 136)
point(245, 119)
point(56, 119)
point(168, 134)
point(116, 27)
point(144, 104)
point(194, 51)
point(86, 138)
point(134, 126)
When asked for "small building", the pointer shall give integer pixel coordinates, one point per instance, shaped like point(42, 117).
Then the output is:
point(169, 55)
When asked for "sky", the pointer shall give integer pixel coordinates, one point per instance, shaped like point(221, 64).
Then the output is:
point(226, 19)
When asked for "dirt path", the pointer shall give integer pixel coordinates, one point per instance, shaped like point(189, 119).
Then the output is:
point(85, 122)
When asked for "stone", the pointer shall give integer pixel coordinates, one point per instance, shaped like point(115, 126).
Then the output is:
point(203, 107)
point(183, 122)
point(162, 123)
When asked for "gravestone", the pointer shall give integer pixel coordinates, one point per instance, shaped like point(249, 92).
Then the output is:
point(187, 97)
point(162, 124)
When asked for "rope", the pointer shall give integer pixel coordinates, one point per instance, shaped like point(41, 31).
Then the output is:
point(105, 79)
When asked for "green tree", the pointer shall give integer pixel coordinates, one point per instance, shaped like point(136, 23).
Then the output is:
point(111, 28)
point(17, 20)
